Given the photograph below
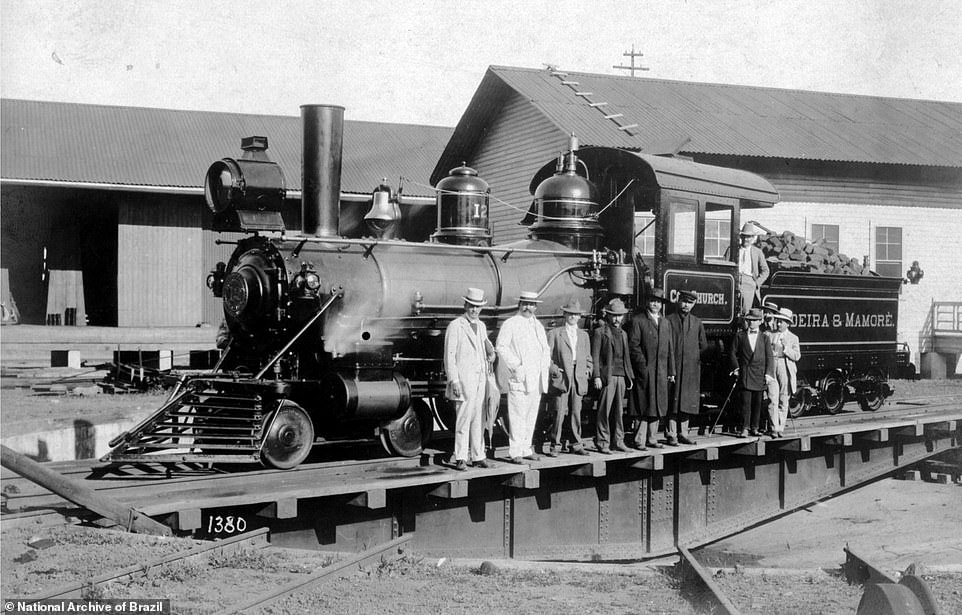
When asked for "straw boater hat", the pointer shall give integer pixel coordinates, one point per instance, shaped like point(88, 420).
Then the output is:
point(475, 296)
point(657, 294)
point(616, 306)
point(784, 314)
point(770, 307)
point(687, 295)
point(572, 307)
point(528, 296)
point(754, 314)
point(749, 229)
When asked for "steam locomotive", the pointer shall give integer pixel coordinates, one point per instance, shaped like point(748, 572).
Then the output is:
point(337, 338)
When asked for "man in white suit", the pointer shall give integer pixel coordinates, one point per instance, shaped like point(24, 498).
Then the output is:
point(786, 350)
point(570, 369)
point(523, 372)
point(467, 353)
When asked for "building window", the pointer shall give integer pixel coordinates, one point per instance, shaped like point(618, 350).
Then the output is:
point(888, 251)
point(718, 230)
point(645, 234)
point(828, 233)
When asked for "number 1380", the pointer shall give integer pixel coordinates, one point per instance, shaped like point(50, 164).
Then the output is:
point(226, 525)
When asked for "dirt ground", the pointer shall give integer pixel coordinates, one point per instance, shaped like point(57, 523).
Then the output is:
point(894, 522)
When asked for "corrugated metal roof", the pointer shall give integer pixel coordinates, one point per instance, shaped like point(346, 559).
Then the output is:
point(132, 146)
point(729, 119)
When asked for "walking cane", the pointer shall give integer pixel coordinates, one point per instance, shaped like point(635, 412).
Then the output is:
point(724, 405)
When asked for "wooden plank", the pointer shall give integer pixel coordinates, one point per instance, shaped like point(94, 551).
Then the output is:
point(186, 520)
point(281, 509)
point(797, 444)
point(876, 435)
point(595, 469)
point(451, 490)
point(653, 463)
point(704, 454)
point(842, 439)
point(372, 499)
point(908, 431)
point(750, 449)
point(529, 479)
point(81, 495)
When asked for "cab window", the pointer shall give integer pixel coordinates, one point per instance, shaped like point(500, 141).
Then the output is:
point(682, 226)
point(718, 231)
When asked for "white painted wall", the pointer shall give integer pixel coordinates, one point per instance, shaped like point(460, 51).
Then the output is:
point(930, 235)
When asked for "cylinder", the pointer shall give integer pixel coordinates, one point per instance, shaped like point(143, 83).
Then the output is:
point(321, 173)
point(620, 279)
point(349, 397)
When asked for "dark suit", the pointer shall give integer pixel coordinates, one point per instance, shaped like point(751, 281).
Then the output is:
point(574, 373)
point(690, 344)
point(653, 361)
point(753, 367)
point(610, 429)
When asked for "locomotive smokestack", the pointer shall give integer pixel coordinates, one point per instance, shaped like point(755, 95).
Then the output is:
point(321, 180)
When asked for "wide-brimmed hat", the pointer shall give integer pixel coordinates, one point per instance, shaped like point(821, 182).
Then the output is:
point(754, 314)
point(616, 306)
point(475, 296)
point(750, 229)
point(528, 297)
point(784, 314)
point(771, 308)
point(656, 294)
point(572, 307)
point(687, 295)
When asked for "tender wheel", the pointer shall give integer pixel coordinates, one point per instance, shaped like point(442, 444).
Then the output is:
point(833, 393)
point(799, 404)
point(871, 396)
point(290, 438)
point(407, 435)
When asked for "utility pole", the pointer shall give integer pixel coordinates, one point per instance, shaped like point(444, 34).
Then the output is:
point(632, 55)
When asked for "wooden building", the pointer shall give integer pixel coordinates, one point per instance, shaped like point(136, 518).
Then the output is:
point(880, 177)
point(103, 214)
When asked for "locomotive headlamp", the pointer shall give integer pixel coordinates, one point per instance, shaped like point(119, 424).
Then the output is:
point(312, 280)
point(248, 192)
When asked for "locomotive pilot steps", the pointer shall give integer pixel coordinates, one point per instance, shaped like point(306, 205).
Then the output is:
point(331, 337)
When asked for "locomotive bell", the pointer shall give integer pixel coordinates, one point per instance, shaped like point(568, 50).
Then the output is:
point(384, 214)
point(462, 204)
point(566, 206)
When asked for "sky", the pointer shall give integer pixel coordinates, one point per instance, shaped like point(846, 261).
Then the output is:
point(419, 62)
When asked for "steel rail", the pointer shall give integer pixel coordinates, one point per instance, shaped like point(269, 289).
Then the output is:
point(256, 538)
point(699, 573)
point(328, 572)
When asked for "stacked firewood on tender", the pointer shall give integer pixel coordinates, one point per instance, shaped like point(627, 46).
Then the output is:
point(794, 252)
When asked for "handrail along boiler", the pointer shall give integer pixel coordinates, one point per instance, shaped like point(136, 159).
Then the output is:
point(336, 336)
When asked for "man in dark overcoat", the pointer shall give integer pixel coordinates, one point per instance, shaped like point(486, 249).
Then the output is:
point(611, 374)
point(754, 364)
point(652, 359)
point(690, 345)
